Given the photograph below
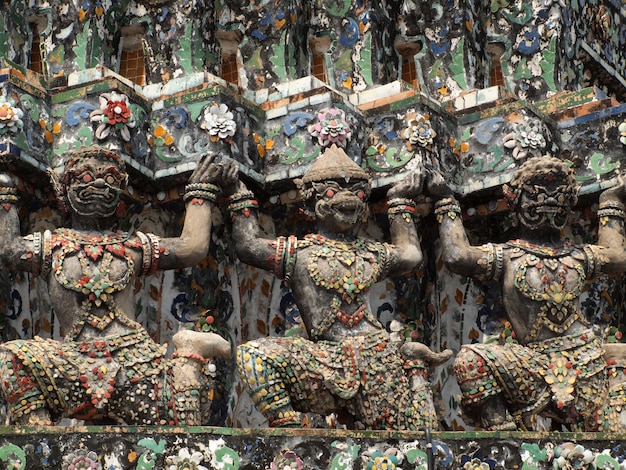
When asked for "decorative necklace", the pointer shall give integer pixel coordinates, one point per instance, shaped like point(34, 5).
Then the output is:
point(558, 310)
point(95, 254)
point(543, 251)
point(341, 266)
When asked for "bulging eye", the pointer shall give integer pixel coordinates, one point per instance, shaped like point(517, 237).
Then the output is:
point(360, 194)
point(86, 177)
point(330, 192)
point(110, 179)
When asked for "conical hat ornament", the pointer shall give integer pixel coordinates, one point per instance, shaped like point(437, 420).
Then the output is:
point(334, 164)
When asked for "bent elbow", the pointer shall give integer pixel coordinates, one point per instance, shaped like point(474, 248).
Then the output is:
point(457, 260)
point(409, 259)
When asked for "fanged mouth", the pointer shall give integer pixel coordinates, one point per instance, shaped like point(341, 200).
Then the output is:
point(549, 209)
point(90, 193)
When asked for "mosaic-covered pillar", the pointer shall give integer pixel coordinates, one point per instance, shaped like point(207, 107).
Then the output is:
point(594, 36)
point(177, 37)
point(57, 38)
point(263, 39)
point(525, 43)
point(352, 41)
point(443, 42)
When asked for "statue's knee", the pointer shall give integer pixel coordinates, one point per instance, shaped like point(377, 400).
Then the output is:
point(466, 364)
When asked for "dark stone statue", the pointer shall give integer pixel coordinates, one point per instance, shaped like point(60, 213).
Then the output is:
point(554, 363)
point(107, 366)
point(347, 363)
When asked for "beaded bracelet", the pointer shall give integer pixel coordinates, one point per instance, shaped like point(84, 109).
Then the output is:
point(492, 261)
point(592, 256)
point(36, 252)
point(46, 252)
point(189, 355)
point(151, 251)
point(289, 259)
point(285, 256)
point(611, 209)
point(448, 206)
point(199, 192)
point(242, 202)
point(402, 206)
point(611, 212)
point(8, 196)
point(612, 205)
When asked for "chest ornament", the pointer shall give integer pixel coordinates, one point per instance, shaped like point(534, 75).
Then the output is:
point(553, 279)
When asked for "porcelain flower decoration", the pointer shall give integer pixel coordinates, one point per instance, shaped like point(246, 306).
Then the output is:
point(420, 132)
point(82, 459)
point(331, 128)
point(186, 460)
point(287, 461)
point(527, 139)
point(219, 122)
point(114, 113)
point(570, 456)
point(10, 116)
point(622, 132)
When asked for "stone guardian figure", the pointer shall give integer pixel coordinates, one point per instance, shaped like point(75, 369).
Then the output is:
point(107, 366)
point(348, 361)
point(554, 363)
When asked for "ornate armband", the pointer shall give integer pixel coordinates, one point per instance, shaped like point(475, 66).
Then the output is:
point(285, 257)
point(594, 261)
point(199, 192)
point(492, 261)
point(447, 206)
point(8, 197)
point(41, 254)
point(241, 202)
point(386, 260)
point(190, 355)
point(611, 209)
point(151, 251)
point(401, 206)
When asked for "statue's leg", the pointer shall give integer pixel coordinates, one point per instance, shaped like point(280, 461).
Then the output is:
point(268, 377)
point(193, 350)
point(25, 400)
point(483, 401)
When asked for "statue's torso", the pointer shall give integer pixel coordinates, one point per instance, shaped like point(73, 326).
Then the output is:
point(89, 278)
point(330, 283)
point(541, 286)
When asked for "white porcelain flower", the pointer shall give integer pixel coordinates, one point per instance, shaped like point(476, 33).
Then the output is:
point(622, 132)
point(219, 122)
point(527, 140)
point(420, 131)
point(186, 460)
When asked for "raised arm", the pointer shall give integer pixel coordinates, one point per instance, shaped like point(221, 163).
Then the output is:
point(250, 247)
point(407, 252)
point(16, 252)
point(611, 237)
point(193, 244)
point(458, 255)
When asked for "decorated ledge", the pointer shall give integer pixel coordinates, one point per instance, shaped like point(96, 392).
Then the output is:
point(162, 130)
point(202, 448)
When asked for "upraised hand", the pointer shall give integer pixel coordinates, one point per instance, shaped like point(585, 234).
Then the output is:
point(616, 192)
point(436, 186)
point(409, 187)
point(206, 171)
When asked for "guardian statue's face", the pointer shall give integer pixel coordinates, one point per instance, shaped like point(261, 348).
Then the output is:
point(345, 202)
point(93, 187)
point(545, 203)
